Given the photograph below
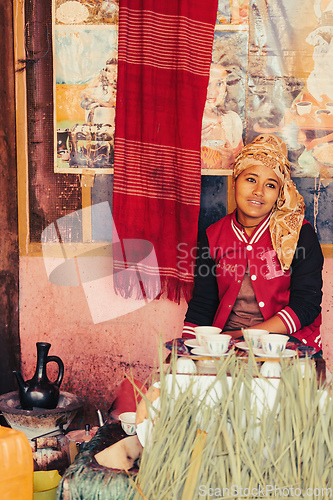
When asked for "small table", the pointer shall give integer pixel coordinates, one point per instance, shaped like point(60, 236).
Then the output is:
point(241, 354)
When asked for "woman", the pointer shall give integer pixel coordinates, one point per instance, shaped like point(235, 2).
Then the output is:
point(221, 133)
point(260, 266)
point(99, 97)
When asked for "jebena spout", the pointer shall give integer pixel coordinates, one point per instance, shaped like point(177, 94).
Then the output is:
point(22, 385)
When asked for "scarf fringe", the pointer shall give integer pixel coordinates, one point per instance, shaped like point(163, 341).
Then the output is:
point(141, 287)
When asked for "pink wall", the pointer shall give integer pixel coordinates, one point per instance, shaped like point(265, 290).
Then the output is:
point(97, 356)
point(327, 309)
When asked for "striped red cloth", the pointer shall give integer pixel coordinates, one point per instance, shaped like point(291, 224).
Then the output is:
point(164, 55)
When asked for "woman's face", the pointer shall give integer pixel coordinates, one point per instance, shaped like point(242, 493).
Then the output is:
point(217, 85)
point(256, 191)
point(111, 73)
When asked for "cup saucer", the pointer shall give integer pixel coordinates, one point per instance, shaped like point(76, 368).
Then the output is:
point(192, 343)
point(242, 345)
point(202, 351)
point(287, 353)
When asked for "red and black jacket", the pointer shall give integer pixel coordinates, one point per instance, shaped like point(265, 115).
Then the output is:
point(225, 253)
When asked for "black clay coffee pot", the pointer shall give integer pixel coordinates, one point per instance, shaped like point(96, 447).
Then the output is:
point(40, 392)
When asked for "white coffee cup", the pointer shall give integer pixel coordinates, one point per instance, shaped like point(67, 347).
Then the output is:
point(202, 331)
point(303, 107)
point(218, 344)
point(274, 343)
point(271, 369)
point(322, 113)
point(127, 420)
point(185, 365)
point(253, 336)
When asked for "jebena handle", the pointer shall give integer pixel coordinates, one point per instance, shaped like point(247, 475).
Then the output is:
point(60, 364)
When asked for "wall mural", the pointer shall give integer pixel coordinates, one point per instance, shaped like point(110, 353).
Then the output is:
point(224, 120)
point(289, 82)
point(85, 70)
point(271, 72)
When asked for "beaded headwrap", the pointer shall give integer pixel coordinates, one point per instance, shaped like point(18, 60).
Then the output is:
point(288, 212)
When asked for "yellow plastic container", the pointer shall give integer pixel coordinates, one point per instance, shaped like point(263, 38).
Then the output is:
point(45, 484)
point(16, 465)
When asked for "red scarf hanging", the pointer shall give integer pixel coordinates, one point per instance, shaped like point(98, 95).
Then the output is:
point(164, 55)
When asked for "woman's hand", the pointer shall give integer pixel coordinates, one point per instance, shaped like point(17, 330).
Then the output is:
point(206, 130)
point(272, 325)
point(236, 334)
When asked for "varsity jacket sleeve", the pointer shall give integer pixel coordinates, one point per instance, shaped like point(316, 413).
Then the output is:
point(205, 299)
point(306, 282)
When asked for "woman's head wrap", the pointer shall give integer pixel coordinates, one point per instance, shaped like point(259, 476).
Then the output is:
point(288, 212)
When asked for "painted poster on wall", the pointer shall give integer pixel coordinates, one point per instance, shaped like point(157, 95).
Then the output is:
point(85, 35)
point(223, 122)
point(290, 86)
point(232, 12)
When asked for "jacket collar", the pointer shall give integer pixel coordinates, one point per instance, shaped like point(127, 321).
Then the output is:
point(257, 233)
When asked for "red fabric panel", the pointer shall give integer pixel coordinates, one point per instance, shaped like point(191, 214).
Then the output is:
point(164, 57)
